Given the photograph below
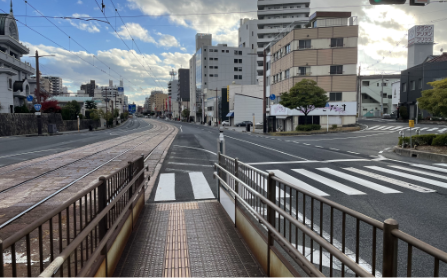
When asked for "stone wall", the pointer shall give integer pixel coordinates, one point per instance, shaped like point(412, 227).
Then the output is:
point(19, 124)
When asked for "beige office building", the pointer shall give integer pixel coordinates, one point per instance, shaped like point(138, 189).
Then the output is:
point(326, 52)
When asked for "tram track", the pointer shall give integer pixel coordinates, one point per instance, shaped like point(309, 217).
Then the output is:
point(158, 130)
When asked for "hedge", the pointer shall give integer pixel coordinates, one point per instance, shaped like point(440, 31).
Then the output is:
point(440, 140)
point(425, 140)
point(308, 127)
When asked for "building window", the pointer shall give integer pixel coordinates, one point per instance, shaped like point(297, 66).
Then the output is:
point(336, 70)
point(211, 75)
point(252, 46)
point(420, 84)
point(288, 49)
point(10, 83)
point(412, 85)
point(238, 61)
point(385, 95)
point(287, 74)
point(390, 96)
point(365, 83)
point(303, 71)
point(252, 33)
point(228, 51)
point(335, 96)
point(337, 42)
point(236, 52)
point(223, 51)
point(238, 77)
point(238, 69)
point(303, 44)
point(404, 87)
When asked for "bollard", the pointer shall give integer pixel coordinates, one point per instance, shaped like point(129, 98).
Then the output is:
point(389, 248)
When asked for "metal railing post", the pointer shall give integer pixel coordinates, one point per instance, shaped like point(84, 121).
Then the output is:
point(236, 187)
point(389, 248)
point(218, 173)
point(130, 179)
point(102, 203)
point(271, 215)
point(2, 268)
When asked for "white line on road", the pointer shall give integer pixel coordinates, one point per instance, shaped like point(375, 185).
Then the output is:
point(297, 182)
point(200, 186)
point(190, 164)
point(265, 147)
point(318, 146)
point(416, 171)
point(392, 181)
point(334, 149)
point(362, 182)
point(198, 149)
point(430, 168)
point(308, 161)
point(26, 153)
point(181, 129)
point(331, 183)
point(441, 164)
point(352, 152)
point(166, 188)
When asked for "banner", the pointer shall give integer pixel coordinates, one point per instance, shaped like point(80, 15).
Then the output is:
point(334, 109)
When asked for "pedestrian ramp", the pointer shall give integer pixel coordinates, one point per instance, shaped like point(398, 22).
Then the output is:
point(393, 128)
point(384, 179)
point(187, 183)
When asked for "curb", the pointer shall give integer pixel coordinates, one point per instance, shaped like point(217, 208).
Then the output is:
point(419, 154)
point(314, 133)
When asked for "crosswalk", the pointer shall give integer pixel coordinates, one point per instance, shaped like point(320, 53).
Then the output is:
point(325, 181)
point(393, 128)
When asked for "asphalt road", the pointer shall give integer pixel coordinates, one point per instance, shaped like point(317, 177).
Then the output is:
point(355, 169)
point(16, 149)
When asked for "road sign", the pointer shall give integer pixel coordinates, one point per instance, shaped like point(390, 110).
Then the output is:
point(132, 108)
point(272, 97)
point(29, 98)
point(120, 90)
point(37, 107)
point(328, 105)
point(37, 113)
point(411, 123)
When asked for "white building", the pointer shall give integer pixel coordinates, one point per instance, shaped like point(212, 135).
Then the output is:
point(173, 93)
point(56, 84)
point(244, 101)
point(111, 97)
point(216, 67)
point(371, 100)
point(275, 19)
point(395, 90)
point(14, 74)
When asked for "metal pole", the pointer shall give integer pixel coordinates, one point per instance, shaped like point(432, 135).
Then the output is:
point(359, 95)
point(2, 268)
point(389, 248)
point(417, 111)
point(381, 98)
point(264, 110)
point(39, 117)
point(236, 187)
point(271, 216)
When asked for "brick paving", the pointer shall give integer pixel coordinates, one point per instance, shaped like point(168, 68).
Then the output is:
point(195, 239)
point(23, 196)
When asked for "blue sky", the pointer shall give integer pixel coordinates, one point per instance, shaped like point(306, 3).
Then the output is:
point(164, 31)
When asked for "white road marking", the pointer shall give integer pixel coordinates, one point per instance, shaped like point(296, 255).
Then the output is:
point(181, 129)
point(318, 146)
point(374, 127)
point(331, 183)
point(381, 127)
point(309, 161)
point(362, 182)
point(166, 188)
point(403, 128)
point(409, 176)
point(441, 164)
point(264, 147)
point(442, 130)
point(11, 155)
point(388, 127)
point(416, 171)
point(334, 149)
point(352, 152)
point(198, 149)
point(190, 164)
point(306, 144)
point(424, 128)
point(433, 129)
point(396, 128)
point(200, 186)
point(430, 168)
point(391, 180)
point(288, 178)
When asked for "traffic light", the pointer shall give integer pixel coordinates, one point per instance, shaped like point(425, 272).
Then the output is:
point(387, 2)
point(419, 2)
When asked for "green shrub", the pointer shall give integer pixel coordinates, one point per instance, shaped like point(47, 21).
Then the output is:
point(424, 140)
point(21, 109)
point(334, 126)
point(308, 127)
point(440, 140)
point(404, 140)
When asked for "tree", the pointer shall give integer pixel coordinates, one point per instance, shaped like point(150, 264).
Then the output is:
point(21, 109)
point(71, 110)
point(51, 106)
point(185, 113)
point(43, 95)
point(435, 100)
point(94, 114)
point(90, 104)
point(304, 96)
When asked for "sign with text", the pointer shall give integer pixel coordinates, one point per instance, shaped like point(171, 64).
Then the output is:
point(37, 107)
point(120, 91)
point(411, 123)
point(132, 108)
point(421, 34)
point(331, 109)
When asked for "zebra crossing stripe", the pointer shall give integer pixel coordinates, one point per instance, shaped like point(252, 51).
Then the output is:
point(396, 128)
point(331, 183)
point(424, 128)
point(297, 182)
point(373, 127)
point(442, 130)
point(403, 128)
point(416, 171)
point(380, 127)
point(391, 180)
point(366, 183)
point(433, 129)
point(430, 168)
point(441, 164)
point(409, 176)
point(388, 127)
point(166, 188)
point(200, 186)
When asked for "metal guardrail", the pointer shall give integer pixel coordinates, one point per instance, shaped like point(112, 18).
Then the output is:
point(81, 225)
point(314, 226)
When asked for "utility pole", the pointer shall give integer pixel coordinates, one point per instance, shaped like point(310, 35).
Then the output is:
point(217, 115)
point(381, 98)
point(359, 95)
point(39, 117)
point(264, 108)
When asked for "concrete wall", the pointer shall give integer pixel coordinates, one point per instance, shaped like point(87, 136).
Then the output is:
point(19, 124)
point(245, 106)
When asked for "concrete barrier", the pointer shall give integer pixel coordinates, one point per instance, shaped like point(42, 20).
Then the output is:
point(420, 154)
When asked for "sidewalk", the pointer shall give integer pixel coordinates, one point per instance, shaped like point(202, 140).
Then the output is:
point(192, 239)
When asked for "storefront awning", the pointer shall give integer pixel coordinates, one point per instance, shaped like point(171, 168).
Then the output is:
point(230, 115)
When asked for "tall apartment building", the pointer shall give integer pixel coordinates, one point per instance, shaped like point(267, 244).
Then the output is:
point(56, 84)
point(89, 88)
point(325, 52)
point(216, 67)
point(173, 92)
point(157, 102)
point(275, 19)
point(183, 84)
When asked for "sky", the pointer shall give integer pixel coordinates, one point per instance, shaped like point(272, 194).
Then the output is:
point(141, 41)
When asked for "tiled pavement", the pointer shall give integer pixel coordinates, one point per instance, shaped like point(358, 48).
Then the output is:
point(192, 239)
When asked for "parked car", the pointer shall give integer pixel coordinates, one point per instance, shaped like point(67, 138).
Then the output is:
point(244, 123)
point(259, 125)
point(226, 123)
point(386, 116)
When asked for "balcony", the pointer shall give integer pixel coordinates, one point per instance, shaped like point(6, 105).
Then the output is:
point(262, 3)
point(15, 44)
point(15, 63)
point(267, 12)
point(287, 21)
point(267, 30)
point(304, 74)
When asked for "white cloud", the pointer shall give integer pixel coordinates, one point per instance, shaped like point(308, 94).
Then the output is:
point(128, 64)
point(167, 40)
point(136, 31)
point(79, 2)
point(89, 26)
